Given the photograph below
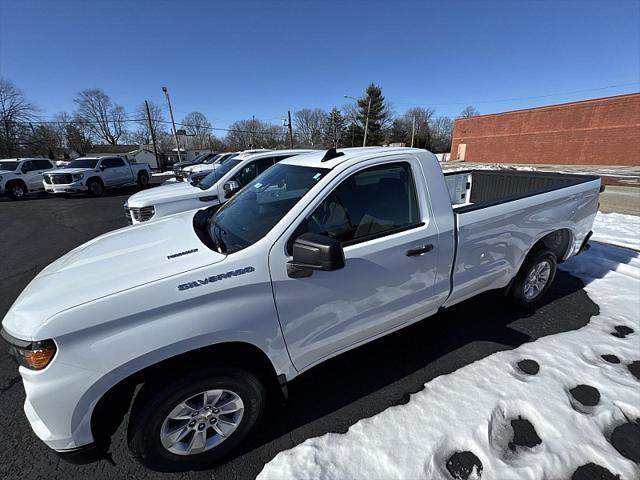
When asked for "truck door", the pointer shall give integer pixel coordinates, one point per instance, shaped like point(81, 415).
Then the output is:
point(32, 174)
point(390, 247)
point(115, 172)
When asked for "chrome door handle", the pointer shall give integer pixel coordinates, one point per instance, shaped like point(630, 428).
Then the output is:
point(419, 250)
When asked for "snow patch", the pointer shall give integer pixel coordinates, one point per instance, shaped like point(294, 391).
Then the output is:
point(617, 229)
point(474, 409)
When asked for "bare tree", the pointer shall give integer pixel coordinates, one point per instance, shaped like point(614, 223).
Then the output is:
point(142, 134)
point(309, 124)
point(469, 111)
point(15, 113)
point(441, 129)
point(199, 128)
point(106, 119)
point(255, 133)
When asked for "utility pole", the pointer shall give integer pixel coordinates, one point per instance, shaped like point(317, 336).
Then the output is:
point(173, 123)
point(290, 130)
point(413, 129)
point(153, 135)
point(366, 124)
point(253, 124)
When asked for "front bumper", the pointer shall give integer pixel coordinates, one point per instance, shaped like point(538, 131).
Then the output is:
point(68, 188)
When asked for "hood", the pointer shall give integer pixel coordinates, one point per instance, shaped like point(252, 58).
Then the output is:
point(171, 192)
point(71, 170)
point(114, 262)
point(4, 172)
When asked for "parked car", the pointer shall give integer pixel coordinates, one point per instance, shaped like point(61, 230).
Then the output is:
point(196, 176)
point(178, 166)
point(217, 187)
point(95, 174)
point(20, 176)
point(208, 165)
point(323, 252)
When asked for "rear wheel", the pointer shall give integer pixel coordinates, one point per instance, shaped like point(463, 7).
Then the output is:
point(16, 190)
point(534, 279)
point(196, 420)
point(96, 188)
point(143, 179)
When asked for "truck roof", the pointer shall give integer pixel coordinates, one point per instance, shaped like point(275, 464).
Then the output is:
point(350, 155)
point(270, 153)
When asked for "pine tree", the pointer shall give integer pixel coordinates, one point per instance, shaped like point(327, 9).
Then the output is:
point(334, 131)
point(378, 114)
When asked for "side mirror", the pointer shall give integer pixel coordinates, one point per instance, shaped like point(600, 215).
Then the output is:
point(312, 251)
point(24, 169)
point(102, 167)
point(230, 188)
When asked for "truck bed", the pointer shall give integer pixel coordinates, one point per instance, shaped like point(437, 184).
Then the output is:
point(471, 190)
point(499, 215)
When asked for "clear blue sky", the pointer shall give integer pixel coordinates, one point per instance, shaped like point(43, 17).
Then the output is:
point(234, 59)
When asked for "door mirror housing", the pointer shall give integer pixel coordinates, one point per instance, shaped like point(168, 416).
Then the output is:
point(102, 167)
point(24, 169)
point(230, 188)
point(312, 251)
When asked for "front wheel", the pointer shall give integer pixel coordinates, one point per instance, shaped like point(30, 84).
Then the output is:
point(534, 279)
point(96, 188)
point(16, 190)
point(196, 420)
point(143, 179)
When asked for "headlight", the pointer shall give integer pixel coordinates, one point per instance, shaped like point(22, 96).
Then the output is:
point(77, 176)
point(32, 355)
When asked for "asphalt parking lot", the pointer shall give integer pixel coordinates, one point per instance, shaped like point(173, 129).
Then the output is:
point(329, 398)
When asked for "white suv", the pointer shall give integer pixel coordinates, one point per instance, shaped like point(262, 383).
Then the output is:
point(19, 176)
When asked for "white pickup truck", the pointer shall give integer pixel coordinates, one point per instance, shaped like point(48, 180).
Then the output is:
point(95, 174)
point(217, 187)
point(323, 252)
point(20, 176)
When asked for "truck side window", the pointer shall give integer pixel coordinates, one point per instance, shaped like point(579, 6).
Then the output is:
point(252, 170)
point(113, 162)
point(28, 166)
point(371, 203)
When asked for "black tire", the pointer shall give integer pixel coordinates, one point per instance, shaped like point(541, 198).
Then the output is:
point(96, 187)
point(16, 190)
point(143, 179)
point(155, 401)
point(519, 293)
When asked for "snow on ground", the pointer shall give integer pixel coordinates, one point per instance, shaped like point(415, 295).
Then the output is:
point(494, 420)
point(163, 174)
point(617, 229)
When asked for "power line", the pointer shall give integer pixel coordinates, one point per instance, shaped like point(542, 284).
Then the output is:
point(558, 94)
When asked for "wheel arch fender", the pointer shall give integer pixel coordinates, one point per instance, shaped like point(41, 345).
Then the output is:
point(558, 240)
point(104, 404)
point(94, 178)
point(16, 180)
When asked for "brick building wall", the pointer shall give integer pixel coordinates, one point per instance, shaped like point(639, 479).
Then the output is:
point(603, 131)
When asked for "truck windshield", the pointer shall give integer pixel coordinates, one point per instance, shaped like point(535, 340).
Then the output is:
point(83, 163)
point(252, 212)
point(9, 166)
point(211, 179)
